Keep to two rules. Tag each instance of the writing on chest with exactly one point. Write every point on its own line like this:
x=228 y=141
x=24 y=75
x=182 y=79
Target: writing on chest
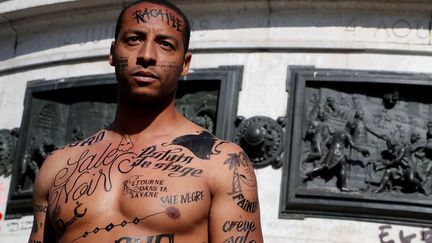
x=90 y=171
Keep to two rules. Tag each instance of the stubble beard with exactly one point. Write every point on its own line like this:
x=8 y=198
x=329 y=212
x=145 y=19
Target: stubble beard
x=140 y=99
x=154 y=94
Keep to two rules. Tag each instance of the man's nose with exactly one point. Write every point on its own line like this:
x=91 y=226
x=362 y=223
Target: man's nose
x=147 y=55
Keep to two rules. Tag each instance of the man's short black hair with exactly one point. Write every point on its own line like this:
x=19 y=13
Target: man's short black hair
x=186 y=32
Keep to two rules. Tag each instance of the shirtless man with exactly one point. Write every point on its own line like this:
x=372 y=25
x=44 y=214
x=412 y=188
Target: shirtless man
x=152 y=176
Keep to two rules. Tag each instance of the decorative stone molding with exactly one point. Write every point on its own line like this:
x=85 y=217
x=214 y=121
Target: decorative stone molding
x=82 y=30
x=262 y=139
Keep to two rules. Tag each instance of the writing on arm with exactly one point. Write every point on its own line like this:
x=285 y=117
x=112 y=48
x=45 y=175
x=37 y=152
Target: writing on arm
x=235 y=214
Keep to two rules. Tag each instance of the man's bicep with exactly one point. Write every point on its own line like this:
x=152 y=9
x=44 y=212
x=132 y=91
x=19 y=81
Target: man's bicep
x=229 y=223
x=235 y=214
x=41 y=231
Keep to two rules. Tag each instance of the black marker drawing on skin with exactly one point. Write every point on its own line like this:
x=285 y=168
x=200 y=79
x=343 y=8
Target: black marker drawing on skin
x=240 y=160
x=168 y=66
x=122 y=63
x=240 y=230
x=126 y=144
x=138 y=186
x=111 y=226
x=35 y=227
x=89 y=141
x=82 y=176
x=63 y=225
x=98 y=166
x=200 y=145
x=142 y=16
x=185 y=198
x=40 y=208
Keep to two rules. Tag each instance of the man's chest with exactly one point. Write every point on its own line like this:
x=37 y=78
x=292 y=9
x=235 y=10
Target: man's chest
x=111 y=187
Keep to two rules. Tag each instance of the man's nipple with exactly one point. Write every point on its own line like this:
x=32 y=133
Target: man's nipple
x=173 y=212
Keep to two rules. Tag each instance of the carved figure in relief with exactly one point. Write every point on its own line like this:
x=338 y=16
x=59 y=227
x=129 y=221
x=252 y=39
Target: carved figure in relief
x=32 y=161
x=401 y=165
x=318 y=133
x=77 y=134
x=330 y=109
x=427 y=160
x=199 y=108
x=7 y=147
x=337 y=157
x=359 y=129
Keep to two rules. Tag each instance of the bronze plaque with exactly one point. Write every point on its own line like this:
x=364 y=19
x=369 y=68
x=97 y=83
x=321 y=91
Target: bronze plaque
x=359 y=146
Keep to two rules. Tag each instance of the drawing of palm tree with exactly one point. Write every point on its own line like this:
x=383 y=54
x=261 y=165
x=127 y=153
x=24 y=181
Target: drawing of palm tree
x=235 y=161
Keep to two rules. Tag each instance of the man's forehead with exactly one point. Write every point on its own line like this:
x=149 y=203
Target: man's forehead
x=150 y=5
x=142 y=13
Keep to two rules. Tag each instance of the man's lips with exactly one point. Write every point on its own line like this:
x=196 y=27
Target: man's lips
x=144 y=76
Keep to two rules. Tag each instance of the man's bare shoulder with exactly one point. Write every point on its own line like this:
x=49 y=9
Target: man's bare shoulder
x=224 y=157
x=58 y=158
x=201 y=143
x=86 y=142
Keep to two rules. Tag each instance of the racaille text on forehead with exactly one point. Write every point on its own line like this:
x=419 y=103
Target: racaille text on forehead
x=142 y=15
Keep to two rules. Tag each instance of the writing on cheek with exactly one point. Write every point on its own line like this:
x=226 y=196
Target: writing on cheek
x=147 y=239
x=139 y=187
x=34 y=241
x=185 y=198
x=240 y=230
x=142 y=16
x=167 y=66
x=122 y=63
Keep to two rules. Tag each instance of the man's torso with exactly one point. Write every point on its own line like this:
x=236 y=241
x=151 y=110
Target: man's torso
x=119 y=190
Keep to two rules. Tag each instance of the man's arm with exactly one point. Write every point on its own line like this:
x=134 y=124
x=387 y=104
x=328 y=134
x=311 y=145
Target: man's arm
x=41 y=231
x=363 y=151
x=234 y=212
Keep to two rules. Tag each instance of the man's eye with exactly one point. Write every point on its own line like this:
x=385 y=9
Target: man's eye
x=167 y=45
x=134 y=40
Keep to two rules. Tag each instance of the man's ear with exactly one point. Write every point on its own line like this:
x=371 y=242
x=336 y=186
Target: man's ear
x=186 y=63
x=111 y=55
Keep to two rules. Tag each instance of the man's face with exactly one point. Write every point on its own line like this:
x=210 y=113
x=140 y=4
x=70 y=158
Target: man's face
x=148 y=54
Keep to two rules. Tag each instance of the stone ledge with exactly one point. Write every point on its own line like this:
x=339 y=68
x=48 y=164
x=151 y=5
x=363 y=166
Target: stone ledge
x=37 y=60
x=18 y=9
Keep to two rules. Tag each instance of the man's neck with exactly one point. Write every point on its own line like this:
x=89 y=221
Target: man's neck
x=150 y=118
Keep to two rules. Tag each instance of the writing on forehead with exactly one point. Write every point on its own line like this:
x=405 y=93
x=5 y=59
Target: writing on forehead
x=142 y=16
